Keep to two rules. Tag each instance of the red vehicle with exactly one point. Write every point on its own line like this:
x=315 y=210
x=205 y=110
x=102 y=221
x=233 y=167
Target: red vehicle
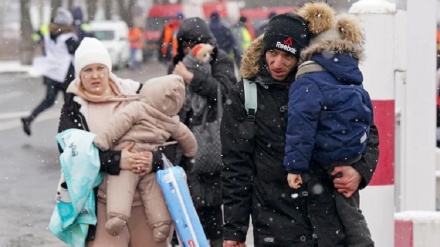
x=258 y=16
x=219 y=7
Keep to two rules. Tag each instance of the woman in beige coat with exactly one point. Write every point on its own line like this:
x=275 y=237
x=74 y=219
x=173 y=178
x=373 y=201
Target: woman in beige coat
x=92 y=98
x=149 y=122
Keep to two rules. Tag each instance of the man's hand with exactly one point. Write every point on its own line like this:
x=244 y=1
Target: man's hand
x=233 y=243
x=349 y=182
x=180 y=69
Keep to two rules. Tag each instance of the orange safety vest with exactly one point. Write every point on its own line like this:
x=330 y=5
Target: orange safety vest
x=170 y=37
x=135 y=37
x=438 y=40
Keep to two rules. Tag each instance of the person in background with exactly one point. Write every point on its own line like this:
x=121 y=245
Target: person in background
x=205 y=188
x=38 y=37
x=60 y=45
x=82 y=29
x=168 y=39
x=438 y=107
x=253 y=148
x=262 y=28
x=327 y=130
x=135 y=36
x=224 y=37
x=165 y=43
x=93 y=97
x=438 y=88
x=242 y=37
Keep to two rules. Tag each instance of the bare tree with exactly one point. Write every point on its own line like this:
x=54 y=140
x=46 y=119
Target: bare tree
x=26 y=50
x=108 y=4
x=125 y=11
x=70 y=4
x=91 y=9
x=54 y=5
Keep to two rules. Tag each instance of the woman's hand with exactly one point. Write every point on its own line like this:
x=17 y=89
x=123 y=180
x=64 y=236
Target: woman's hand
x=180 y=69
x=138 y=162
x=143 y=163
x=126 y=154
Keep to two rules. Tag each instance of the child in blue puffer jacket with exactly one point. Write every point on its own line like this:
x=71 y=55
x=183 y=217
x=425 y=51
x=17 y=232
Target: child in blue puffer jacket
x=329 y=111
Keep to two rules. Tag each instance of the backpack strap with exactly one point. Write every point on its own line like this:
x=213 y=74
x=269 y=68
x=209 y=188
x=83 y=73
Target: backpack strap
x=250 y=98
x=308 y=67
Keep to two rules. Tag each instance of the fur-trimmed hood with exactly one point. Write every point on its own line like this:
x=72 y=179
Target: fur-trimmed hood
x=250 y=62
x=329 y=47
x=337 y=43
x=332 y=33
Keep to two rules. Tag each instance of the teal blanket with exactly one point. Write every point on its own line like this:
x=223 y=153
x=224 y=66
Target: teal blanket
x=80 y=167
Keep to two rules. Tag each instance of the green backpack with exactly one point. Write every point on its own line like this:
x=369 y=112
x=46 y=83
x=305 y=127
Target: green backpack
x=250 y=98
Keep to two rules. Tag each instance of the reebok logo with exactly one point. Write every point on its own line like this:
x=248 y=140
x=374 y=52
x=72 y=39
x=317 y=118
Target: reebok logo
x=286 y=47
x=288 y=41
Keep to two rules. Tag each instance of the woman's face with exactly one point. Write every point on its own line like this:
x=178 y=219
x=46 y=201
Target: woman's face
x=95 y=79
x=280 y=63
x=187 y=46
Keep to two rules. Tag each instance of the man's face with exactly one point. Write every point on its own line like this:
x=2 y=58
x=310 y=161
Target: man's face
x=280 y=63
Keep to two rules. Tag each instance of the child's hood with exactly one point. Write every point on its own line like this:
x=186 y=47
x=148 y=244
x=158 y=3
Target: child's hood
x=165 y=93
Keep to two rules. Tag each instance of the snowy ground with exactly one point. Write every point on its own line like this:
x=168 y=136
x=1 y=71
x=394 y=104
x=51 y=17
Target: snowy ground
x=15 y=66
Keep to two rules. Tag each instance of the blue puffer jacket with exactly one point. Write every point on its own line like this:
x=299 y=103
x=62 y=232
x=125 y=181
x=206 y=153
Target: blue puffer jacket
x=329 y=114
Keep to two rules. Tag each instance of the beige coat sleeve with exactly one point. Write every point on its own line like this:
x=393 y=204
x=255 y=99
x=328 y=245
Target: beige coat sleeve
x=117 y=126
x=184 y=136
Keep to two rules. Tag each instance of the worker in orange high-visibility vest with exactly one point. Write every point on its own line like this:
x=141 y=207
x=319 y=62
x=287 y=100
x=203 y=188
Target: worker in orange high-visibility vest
x=168 y=40
x=135 y=37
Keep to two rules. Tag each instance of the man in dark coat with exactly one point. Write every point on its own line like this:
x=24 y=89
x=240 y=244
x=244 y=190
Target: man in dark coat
x=225 y=38
x=254 y=179
x=262 y=28
x=205 y=188
x=60 y=46
x=82 y=29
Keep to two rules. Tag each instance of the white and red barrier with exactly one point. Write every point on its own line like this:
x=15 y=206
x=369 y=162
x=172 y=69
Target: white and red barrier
x=398 y=81
x=377 y=200
x=417 y=229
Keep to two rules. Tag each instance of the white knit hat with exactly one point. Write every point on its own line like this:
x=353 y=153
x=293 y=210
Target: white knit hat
x=63 y=17
x=91 y=51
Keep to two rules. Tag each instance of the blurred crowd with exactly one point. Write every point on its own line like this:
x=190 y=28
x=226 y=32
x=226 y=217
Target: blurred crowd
x=233 y=39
